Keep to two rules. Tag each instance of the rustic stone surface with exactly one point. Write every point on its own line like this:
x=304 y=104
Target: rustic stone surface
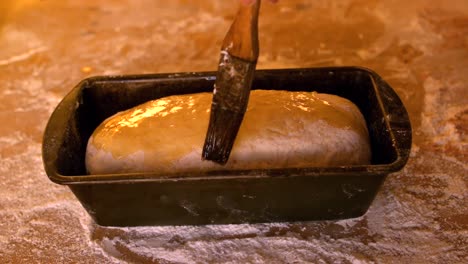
x=421 y=48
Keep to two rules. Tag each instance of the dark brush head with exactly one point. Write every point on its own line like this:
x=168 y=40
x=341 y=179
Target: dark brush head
x=222 y=132
x=230 y=99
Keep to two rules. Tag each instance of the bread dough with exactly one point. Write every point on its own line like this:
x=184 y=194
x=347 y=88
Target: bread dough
x=280 y=129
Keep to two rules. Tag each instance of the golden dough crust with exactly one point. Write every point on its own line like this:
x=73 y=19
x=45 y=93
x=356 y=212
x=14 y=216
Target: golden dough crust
x=280 y=129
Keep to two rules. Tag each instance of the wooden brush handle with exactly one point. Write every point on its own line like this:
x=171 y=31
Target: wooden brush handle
x=242 y=38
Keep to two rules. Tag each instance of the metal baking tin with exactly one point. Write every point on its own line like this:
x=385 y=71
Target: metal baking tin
x=225 y=196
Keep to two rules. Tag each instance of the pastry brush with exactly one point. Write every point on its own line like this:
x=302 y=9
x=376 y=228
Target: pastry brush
x=239 y=53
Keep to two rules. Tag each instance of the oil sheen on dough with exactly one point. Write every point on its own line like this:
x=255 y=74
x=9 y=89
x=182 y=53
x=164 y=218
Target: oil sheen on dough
x=280 y=129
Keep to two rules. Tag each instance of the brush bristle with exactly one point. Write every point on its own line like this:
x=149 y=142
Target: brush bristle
x=222 y=131
x=230 y=99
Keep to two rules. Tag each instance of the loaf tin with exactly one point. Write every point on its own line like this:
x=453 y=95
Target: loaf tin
x=225 y=196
